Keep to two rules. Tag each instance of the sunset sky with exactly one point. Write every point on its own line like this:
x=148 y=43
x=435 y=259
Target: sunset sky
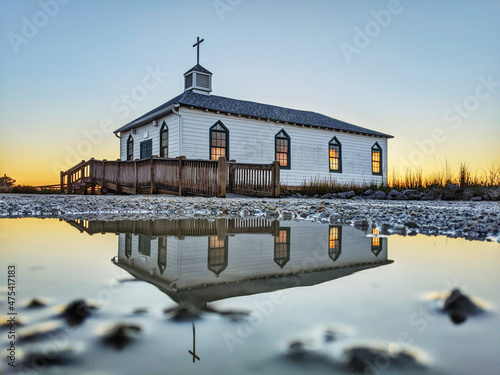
x=72 y=71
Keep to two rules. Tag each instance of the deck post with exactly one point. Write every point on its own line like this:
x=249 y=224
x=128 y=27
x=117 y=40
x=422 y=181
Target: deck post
x=180 y=176
x=152 y=178
x=221 y=177
x=103 y=185
x=276 y=188
x=61 y=175
x=136 y=178
x=117 y=176
x=92 y=176
x=231 y=178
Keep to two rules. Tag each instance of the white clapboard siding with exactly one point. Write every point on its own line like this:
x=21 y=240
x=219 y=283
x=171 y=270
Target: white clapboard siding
x=172 y=121
x=252 y=255
x=252 y=141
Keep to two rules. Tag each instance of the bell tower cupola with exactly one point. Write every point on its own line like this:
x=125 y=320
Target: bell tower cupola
x=198 y=79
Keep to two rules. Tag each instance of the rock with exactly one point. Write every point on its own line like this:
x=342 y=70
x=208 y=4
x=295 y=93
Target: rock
x=286 y=215
x=394 y=195
x=459 y=307
x=361 y=359
x=476 y=199
x=494 y=194
x=35 y=304
x=379 y=194
x=77 y=311
x=121 y=335
x=411 y=194
x=363 y=223
x=467 y=194
x=411 y=224
x=368 y=192
x=431 y=195
x=453 y=187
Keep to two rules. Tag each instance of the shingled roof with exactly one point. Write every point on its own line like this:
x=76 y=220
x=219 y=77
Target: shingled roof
x=253 y=109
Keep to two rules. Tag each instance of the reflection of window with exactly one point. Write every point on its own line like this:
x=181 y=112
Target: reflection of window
x=335 y=155
x=130 y=148
x=162 y=254
x=144 y=245
x=282 y=247
x=217 y=254
x=219 y=139
x=164 y=141
x=128 y=245
x=376 y=243
x=376 y=159
x=335 y=242
x=282 y=149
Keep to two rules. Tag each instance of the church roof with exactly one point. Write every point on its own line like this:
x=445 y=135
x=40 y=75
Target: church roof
x=198 y=68
x=253 y=109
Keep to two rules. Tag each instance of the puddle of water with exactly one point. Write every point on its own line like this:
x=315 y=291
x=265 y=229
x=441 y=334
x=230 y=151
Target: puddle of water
x=246 y=296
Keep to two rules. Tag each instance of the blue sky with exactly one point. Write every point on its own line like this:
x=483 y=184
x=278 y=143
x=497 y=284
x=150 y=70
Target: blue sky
x=415 y=63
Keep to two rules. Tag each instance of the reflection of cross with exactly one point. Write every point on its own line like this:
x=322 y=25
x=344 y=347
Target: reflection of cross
x=197 y=45
x=193 y=353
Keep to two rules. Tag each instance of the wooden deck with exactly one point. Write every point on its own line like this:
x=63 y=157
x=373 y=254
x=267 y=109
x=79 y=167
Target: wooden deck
x=178 y=176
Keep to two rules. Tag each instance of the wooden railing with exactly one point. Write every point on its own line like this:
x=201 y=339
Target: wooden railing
x=154 y=175
x=172 y=176
x=254 y=179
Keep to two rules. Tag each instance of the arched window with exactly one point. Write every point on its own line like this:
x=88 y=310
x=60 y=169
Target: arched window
x=164 y=140
x=217 y=254
x=335 y=242
x=219 y=141
x=282 y=247
x=130 y=148
x=376 y=242
x=162 y=254
x=145 y=245
x=335 y=155
x=128 y=245
x=376 y=159
x=282 y=149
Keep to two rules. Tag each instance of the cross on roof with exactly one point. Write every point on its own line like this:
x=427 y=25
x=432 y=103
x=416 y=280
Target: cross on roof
x=197 y=45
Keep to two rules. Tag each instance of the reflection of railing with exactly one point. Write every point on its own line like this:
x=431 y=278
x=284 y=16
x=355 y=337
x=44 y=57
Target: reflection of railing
x=179 y=228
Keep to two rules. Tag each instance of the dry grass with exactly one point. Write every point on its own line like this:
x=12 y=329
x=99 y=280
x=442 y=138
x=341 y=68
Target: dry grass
x=462 y=176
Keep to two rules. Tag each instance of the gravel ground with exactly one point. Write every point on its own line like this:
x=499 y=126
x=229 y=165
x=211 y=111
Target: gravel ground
x=471 y=220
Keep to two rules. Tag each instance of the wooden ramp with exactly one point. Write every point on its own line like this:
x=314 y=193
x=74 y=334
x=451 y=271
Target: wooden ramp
x=179 y=176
